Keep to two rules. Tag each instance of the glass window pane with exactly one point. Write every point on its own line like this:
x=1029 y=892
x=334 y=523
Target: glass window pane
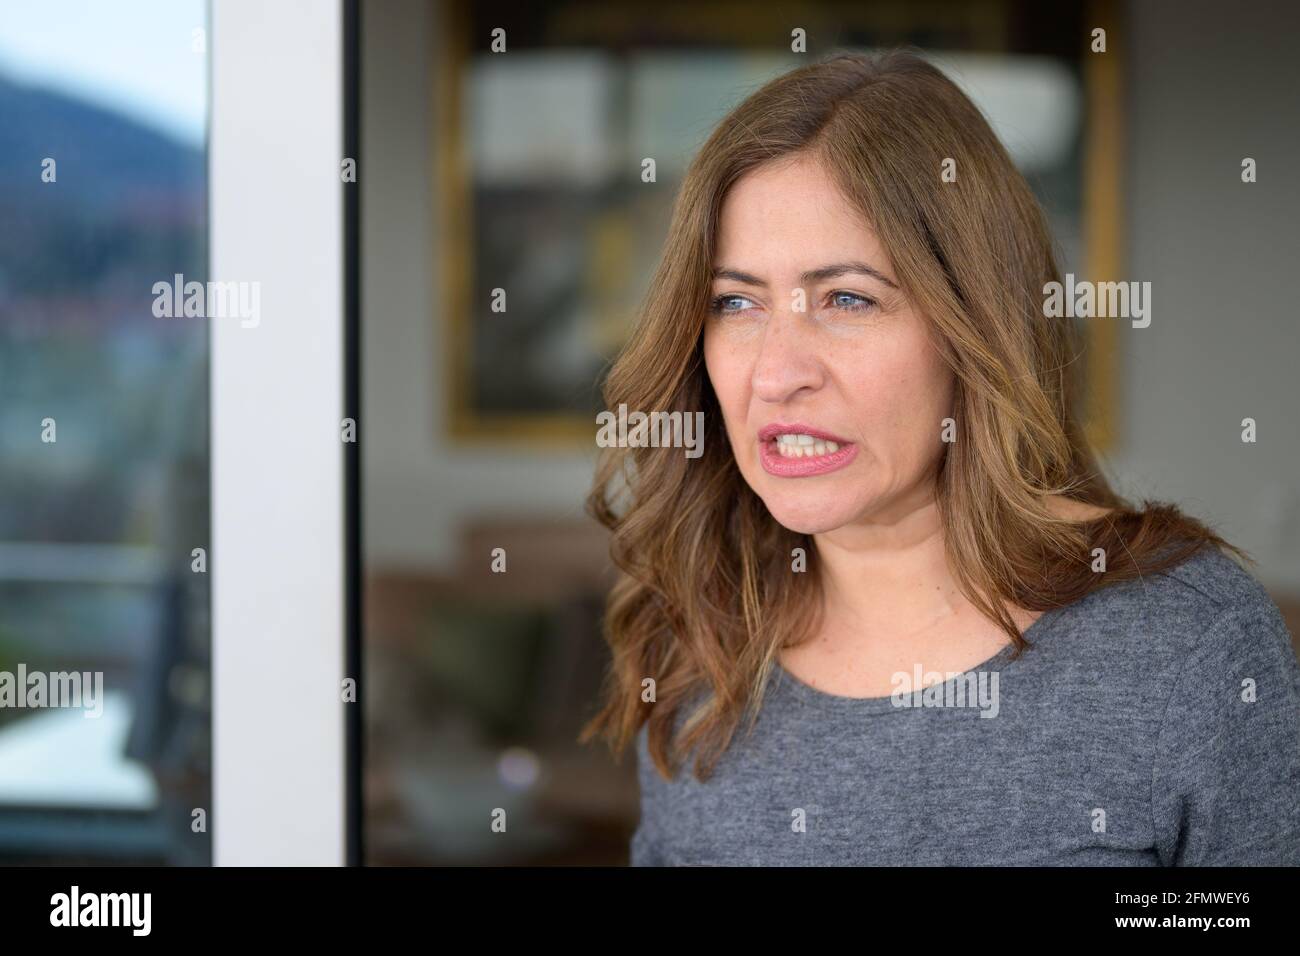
x=103 y=433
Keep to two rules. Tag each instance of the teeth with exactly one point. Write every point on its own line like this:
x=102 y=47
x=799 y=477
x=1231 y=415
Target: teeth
x=804 y=446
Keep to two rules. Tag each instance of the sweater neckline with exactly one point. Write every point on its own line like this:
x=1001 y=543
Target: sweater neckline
x=904 y=703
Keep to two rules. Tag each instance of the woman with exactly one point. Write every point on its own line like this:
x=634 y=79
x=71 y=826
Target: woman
x=894 y=614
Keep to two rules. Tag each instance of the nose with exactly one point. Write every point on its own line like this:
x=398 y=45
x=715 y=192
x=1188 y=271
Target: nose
x=787 y=361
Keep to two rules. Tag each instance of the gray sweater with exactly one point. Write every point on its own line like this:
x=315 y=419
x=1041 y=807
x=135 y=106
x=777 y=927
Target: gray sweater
x=1154 y=722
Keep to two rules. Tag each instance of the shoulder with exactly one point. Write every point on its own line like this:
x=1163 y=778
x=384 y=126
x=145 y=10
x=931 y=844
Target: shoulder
x=1212 y=578
x=1204 y=585
x=1224 y=628
x=1190 y=671
x=1182 y=649
x=1208 y=606
x=1181 y=642
x=1226 y=766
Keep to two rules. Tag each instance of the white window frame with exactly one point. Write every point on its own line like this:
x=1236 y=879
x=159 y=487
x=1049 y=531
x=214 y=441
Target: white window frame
x=277 y=559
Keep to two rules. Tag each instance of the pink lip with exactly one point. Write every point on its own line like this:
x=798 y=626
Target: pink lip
x=774 y=464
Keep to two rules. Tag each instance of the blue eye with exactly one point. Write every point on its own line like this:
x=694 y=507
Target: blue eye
x=719 y=305
x=852 y=302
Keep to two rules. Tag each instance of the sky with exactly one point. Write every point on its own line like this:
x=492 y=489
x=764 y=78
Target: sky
x=136 y=57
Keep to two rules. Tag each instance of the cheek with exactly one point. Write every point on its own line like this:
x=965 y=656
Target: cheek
x=729 y=376
x=900 y=396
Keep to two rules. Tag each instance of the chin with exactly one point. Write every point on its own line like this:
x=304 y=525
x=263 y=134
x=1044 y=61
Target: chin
x=810 y=513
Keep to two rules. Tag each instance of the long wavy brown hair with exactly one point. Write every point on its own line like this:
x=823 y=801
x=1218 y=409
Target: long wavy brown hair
x=705 y=597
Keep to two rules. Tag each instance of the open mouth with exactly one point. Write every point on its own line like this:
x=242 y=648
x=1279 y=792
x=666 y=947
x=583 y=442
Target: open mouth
x=795 y=451
x=804 y=446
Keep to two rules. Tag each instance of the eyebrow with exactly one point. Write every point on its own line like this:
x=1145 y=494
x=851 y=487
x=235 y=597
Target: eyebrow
x=813 y=275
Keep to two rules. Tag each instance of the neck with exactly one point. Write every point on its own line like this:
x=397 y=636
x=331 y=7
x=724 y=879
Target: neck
x=889 y=574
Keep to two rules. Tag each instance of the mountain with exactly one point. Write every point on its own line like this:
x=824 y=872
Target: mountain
x=104 y=158
x=128 y=206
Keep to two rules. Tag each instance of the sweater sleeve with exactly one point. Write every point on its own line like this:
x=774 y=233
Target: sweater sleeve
x=645 y=848
x=1226 y=775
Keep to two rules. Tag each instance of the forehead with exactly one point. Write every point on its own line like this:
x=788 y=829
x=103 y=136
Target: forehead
x=791 y=212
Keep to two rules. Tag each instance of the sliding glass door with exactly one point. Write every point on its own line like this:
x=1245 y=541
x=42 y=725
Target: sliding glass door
x=175 y=682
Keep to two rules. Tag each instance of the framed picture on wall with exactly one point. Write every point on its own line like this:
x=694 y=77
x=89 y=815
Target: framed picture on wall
x=549 y=230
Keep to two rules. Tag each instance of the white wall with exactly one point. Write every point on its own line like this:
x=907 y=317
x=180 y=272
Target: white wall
x=1212 y=83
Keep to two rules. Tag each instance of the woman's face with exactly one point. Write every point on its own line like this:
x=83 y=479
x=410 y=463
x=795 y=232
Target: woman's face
x=832 y=392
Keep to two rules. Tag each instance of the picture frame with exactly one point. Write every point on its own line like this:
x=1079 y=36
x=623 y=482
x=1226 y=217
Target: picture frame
x=472 y=419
